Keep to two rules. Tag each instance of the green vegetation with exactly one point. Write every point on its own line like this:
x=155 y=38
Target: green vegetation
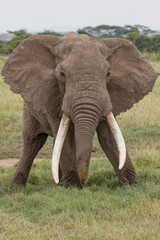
x=6 y=47
x=102 y=210
x=146 y=40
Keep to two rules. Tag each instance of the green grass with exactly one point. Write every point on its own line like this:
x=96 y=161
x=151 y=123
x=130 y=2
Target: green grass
x=102 y=210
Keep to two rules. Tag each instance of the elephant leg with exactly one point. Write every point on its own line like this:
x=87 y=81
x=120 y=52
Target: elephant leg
x=68 y=171
x=68 y=161
x=108 y=144
x=33 y=141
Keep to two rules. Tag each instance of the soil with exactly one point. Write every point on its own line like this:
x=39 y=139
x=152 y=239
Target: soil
x=5 y=163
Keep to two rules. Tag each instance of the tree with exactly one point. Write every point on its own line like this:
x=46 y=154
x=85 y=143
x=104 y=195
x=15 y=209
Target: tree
x=143 y=37
x=48 y=32
x=9 y=46
x=156 y=43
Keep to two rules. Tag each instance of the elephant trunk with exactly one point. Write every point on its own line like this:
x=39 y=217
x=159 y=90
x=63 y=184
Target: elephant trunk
x=90 y=102
x=86 y=114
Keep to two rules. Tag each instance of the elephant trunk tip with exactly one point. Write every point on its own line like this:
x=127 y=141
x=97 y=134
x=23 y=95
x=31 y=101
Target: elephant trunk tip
x=83 y=164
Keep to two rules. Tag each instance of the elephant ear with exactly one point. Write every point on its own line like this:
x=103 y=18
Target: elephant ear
x=30 y=72
x=132 y=76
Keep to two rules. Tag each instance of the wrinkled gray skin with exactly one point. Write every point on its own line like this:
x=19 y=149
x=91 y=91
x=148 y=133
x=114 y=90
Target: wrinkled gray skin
x=76 y=75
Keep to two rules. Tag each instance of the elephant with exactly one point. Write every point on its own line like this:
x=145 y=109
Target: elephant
x=72 y=87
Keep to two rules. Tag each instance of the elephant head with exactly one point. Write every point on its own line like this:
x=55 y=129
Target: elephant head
x=84 y=78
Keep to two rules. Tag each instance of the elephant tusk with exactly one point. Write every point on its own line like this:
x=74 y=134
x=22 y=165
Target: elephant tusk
x=61 y=134
x=118 y=137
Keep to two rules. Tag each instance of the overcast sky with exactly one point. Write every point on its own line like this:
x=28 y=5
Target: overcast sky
x=59 y=15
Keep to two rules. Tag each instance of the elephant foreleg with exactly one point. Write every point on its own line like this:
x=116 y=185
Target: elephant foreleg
x=33 y=141
x=68 y=163
x=109 y=146
x=30 y=149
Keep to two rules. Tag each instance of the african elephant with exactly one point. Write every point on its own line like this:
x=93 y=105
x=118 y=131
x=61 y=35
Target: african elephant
x=85 y=80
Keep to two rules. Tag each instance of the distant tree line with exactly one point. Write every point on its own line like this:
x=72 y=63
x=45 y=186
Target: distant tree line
x=6 y=47
x=146 y=40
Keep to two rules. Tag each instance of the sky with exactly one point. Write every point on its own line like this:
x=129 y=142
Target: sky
x=67 y=15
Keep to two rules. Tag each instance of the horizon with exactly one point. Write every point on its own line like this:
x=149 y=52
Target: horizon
x=65 y=29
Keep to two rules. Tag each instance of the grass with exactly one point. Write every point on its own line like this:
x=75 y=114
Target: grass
x=102 y=210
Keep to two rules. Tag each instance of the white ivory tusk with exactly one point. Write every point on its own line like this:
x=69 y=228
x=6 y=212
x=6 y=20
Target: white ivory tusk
x=61 y=134
x=118 y=137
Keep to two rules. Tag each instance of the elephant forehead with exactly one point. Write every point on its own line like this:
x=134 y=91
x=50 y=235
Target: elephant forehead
x=85 y=47
x=75 y=45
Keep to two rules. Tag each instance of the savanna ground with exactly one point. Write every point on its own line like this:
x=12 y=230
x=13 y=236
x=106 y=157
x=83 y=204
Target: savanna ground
x=102 y=210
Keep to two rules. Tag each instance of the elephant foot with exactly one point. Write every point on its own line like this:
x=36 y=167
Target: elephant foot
x=129 y=177
x=71 y=179
x=19 y=180
x=126 y=181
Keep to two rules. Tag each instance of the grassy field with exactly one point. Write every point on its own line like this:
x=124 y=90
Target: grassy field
x=102 y=210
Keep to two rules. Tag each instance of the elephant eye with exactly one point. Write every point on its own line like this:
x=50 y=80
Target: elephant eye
x=108 y=74
x=62 y=74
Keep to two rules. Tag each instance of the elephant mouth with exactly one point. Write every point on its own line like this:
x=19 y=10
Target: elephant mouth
x=60 y=138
